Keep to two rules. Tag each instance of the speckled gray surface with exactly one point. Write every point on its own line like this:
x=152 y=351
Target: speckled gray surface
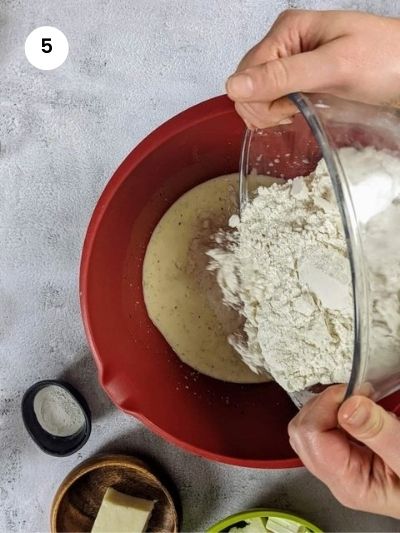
x=131 y=66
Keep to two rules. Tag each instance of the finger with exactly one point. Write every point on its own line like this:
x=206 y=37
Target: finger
x=240 y=109
x=365 y=389
x=314 y=436
x=320 y=413
x=373 y=426
x=264 y=51
x=287 y=36
x=307 y=72
x=325 y=450
x=262 y=115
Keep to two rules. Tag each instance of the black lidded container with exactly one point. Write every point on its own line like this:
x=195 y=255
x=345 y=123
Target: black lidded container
x=52 y=444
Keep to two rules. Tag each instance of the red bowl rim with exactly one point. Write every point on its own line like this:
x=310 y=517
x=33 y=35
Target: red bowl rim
x=216 y=106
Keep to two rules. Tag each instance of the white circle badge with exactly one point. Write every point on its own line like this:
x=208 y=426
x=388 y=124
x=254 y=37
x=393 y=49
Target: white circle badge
x=46 y=48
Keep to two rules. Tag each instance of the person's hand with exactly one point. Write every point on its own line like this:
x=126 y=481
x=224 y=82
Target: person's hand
x=363 y=475
x=348 y=54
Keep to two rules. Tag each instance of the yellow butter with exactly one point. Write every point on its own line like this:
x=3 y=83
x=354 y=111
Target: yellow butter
x=121 y=513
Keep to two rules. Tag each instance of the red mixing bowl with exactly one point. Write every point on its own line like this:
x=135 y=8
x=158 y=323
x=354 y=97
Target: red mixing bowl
x=243 y=425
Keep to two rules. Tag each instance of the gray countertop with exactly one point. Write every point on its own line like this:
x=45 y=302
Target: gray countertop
x=132 y=64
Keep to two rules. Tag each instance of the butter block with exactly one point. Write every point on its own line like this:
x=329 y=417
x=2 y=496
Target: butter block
x=121 y=513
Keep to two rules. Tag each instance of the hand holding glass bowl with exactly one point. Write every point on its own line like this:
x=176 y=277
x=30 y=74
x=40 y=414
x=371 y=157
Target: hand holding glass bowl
x=352 y=55
x=369 y=202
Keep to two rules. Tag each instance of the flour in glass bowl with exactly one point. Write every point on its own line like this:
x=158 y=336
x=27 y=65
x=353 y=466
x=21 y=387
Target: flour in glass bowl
x=284 y=267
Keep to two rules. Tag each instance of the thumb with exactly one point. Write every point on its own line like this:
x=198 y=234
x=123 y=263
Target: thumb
x=309 y=71
x=370 y=424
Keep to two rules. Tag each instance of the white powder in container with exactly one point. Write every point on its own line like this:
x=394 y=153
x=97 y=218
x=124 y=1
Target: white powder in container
x=57 y=411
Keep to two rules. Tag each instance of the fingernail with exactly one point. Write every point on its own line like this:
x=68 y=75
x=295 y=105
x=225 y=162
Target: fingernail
x=285 y=121
x=240 y=86
x=357 y=416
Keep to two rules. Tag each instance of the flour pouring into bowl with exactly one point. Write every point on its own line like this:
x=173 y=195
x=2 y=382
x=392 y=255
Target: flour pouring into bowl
x=284 y=267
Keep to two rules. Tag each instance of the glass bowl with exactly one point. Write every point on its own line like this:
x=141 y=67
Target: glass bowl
x=324 y=125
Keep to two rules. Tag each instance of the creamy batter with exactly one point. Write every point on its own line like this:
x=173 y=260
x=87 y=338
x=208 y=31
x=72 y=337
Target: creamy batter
x=182 y=296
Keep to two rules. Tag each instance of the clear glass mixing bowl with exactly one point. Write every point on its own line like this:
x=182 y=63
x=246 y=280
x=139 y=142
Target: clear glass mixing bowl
x=324 y=125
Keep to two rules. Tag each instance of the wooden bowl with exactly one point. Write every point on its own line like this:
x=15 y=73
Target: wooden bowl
x=79 y=496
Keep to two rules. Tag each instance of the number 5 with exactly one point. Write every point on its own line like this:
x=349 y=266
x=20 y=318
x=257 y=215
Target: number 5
x=46 y=46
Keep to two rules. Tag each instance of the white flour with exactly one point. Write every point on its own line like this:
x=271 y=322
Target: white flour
x=284 y=267
x=375 y=178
